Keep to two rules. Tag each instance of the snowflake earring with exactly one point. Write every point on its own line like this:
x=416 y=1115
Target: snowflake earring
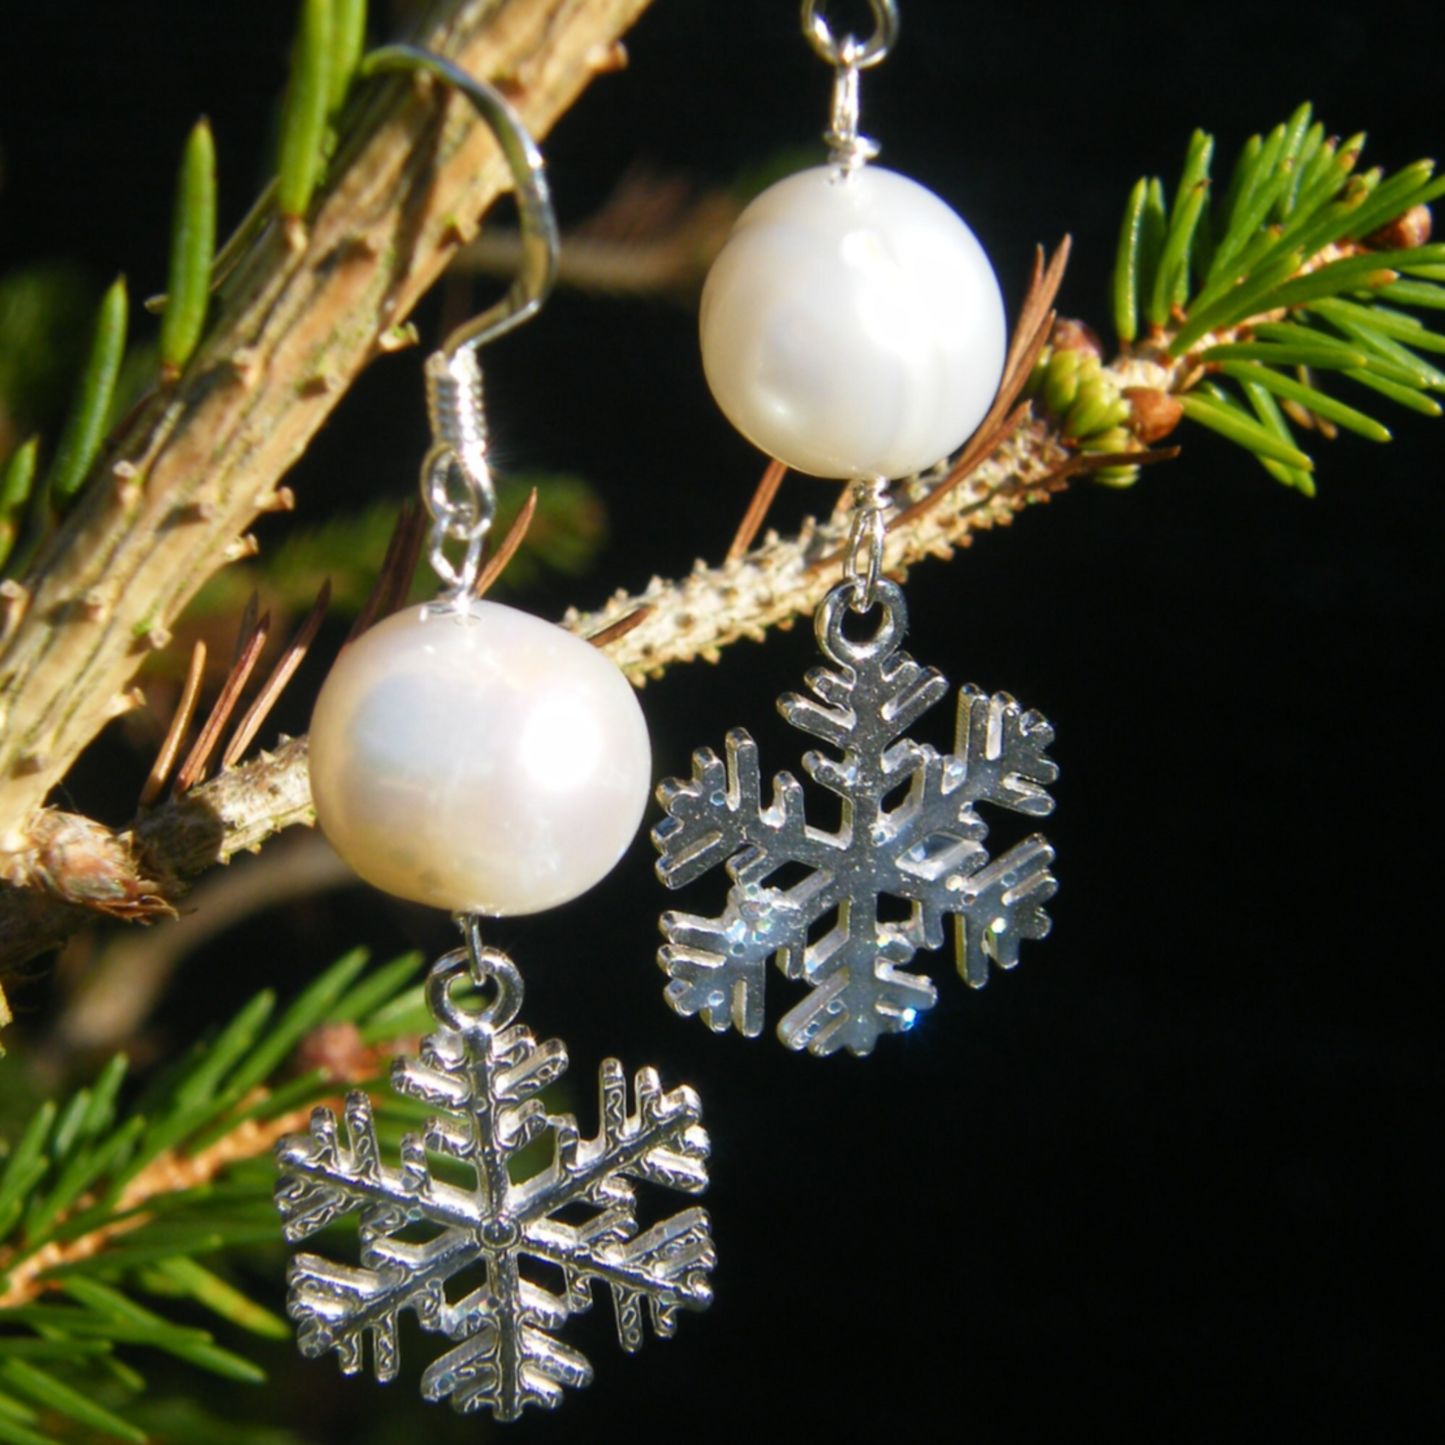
x=852 y=327
x=471 y=757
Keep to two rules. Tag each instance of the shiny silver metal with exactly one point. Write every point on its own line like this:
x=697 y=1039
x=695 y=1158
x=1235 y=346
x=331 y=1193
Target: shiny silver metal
x=847 y=148
x=538 y=221
x=485 y=1075
x=925 y=849
x=485 y=966
x=456 y=480
x=869 y=52
x=863 y=562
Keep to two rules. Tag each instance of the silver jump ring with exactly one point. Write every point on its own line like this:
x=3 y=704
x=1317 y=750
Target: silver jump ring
x=481 y=965
x=863 y=561
x=459 y=579
x=821 y=38
x=892 y=625
x=465 y=516
x=864 y=564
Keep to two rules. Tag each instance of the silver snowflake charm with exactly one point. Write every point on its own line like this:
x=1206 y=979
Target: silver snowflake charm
x=924 y=847
x=454 y=1205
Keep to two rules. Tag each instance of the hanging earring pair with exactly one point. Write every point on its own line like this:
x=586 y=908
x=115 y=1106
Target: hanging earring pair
x=471 y=757
x=852 y=328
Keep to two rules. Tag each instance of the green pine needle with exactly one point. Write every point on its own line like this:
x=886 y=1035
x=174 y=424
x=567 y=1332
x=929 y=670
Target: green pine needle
x=348 y=27
x=193 y=244
x=12 y=1432
x=1389 y=322
x=27 y=1162
x=85 y=427
x=1153 y=229
x=1415 y=293
x=308 y=99
x=120 y=1314
x=185 y=1277
x=1171 y=276
x=1126 y=265
x=83 y=1151
x=1292 y=353
x=1308 y=397
x=373 y=991
x=1394 y=361
x=17 y=480
x=1405 y=396
x=1285 y=287
x=46 y=1390
x=1292 y=333
x=1237 y=427
x=1273 y=419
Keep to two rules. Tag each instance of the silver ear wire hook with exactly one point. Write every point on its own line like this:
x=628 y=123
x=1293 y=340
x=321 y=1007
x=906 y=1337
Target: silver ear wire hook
x=458 y=452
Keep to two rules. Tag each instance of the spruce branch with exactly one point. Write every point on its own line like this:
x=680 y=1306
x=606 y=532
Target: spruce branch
x=95 y=1201
x=300 y=315
x=75 y=868
x=1297 y=275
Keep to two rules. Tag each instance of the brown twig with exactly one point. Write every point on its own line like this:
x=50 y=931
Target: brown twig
x=619 y=629
x=757 y=511
x=1086 y=462
x=516 y=533
x=150 y=865
x=176 y=733
x=986 y=441
x=169 y=1173
x=695 y=616
x=248 y=652
x=281 y=674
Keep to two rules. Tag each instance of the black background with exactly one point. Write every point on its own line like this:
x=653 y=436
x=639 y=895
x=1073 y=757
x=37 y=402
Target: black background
x=1175 y=1177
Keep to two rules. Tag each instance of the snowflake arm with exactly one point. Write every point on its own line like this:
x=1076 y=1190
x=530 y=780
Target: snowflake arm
x=718 y=816
x=898 y=692
x=1000 y=748
x=861 y=991
x=1001 y=905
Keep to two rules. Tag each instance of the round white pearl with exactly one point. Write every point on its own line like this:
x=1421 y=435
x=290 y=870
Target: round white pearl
x=483 y=762
x=852 y=325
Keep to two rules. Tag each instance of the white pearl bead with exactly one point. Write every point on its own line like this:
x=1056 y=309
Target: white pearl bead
x=484 y=762
x=852 y=325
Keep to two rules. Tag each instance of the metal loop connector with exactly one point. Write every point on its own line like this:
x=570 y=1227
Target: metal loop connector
x=482 y=966
x=863 y=561
x=456 y=479
x=875 y=48
x=847 y=148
